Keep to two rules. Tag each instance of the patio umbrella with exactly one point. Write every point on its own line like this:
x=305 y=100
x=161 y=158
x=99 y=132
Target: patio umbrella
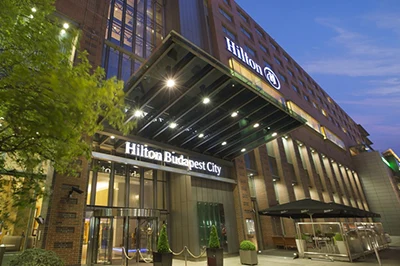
x=308 y=208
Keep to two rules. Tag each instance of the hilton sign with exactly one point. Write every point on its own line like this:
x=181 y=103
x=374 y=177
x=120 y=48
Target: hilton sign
x=266 y=72
x=140 y=150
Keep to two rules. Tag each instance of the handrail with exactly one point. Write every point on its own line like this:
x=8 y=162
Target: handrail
x=150 y=260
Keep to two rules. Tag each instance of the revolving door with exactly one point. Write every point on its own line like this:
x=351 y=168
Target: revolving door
x=121 y=236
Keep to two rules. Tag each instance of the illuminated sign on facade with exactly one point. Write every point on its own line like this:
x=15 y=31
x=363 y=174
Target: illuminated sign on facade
x=169 y=157
x=266 y=72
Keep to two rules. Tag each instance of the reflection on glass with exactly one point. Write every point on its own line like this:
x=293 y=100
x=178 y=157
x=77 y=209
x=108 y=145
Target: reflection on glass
x=89 y=189
x=102 y=189
x=134 y=187
x=148 y=189
x=119 y=191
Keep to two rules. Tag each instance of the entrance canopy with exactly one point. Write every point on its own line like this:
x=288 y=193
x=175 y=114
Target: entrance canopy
x=307 y=208
x=185 y=98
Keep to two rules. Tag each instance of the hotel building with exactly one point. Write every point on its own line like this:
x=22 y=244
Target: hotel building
x=227 y=124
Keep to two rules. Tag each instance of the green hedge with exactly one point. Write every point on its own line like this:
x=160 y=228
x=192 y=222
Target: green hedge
x=214 y=240
x=163 y=245
x=247 y=245
x=36 y=257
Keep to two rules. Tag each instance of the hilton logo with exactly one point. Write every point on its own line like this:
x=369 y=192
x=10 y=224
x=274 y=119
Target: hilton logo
x=266 y=72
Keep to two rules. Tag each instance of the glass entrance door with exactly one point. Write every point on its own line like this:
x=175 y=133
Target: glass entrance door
x=117 y=239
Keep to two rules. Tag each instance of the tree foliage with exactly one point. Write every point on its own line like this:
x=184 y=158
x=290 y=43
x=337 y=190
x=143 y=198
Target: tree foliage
x=163 y=244
x=50 y=105
x=214 y=240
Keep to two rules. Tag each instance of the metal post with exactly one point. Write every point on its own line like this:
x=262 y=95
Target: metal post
x=186 y=255
x=376 y=254
x=2 y=251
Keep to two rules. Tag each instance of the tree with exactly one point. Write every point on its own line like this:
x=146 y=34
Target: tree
x=50 y=105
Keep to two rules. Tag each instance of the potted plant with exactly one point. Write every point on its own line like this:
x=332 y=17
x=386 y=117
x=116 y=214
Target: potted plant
x=339 y=242
x=163 y=256
x=36 y=256
x=215 y=255
x=248 y=253
x=301 y=244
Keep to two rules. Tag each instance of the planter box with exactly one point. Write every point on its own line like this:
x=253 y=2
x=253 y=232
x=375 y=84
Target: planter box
x=215 y=256
x=341 y=247
x=248 y=257
x=301 y=247
x=162 y=259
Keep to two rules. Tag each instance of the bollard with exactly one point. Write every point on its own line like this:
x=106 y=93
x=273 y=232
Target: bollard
x=2 y=251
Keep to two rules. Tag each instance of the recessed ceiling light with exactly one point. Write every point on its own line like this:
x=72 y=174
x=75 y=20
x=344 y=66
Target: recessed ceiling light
x=256 y=125
x=173 y=125
x=206 y=100
x=34 y=9
x=274 y=134
x=201 y=135
x=112 y=137
x=170 y=83
x=234 y=114
x=243 y=150
x=138 y=113
x=223 y=143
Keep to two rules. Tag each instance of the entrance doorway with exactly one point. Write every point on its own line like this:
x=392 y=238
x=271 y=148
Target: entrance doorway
x=121 y=236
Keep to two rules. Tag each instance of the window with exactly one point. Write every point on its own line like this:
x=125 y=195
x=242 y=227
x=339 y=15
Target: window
x=290 y=73
x=277 y=61
x=245 y=32
x=329 y=99
x=226 y=15
x=301 y=83
x=295 y=89
x=259 y=32
x=297 y=69
x=229 y=33
x=249 y=50
x=306 y=98
x=244 y=17
x=262 y=47
x=286 y=58
x=310 y=91
x=227 y=2
x=267 y=64
x=273 y=46
x=282 y=77
x=319 y=99
x=315 y=105
x=324 y=112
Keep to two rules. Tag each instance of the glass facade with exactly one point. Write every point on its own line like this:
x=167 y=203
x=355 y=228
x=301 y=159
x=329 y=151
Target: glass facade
x=121 y=185
x=134 y=28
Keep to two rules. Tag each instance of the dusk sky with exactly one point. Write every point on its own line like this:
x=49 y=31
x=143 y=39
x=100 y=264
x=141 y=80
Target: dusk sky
x=350 y=48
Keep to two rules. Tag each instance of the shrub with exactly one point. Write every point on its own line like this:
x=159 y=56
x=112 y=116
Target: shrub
x=163 y=245
x=302 y=236
x=338 y=237
x=214 y=240
x=247 y=245
x=36 y=257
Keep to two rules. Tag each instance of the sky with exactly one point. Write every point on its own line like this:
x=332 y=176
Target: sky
x=351 y=48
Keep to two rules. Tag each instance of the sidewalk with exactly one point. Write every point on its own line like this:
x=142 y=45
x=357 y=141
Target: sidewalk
x=389 y=257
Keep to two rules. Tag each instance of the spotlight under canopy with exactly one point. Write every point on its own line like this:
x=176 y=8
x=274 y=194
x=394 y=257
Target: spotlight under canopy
x=170 y=83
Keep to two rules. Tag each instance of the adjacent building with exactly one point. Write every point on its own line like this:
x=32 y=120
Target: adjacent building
x=227 y=124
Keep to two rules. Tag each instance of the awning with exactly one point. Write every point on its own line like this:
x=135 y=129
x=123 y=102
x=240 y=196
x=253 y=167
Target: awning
x=211 y=129
x=307 y=208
